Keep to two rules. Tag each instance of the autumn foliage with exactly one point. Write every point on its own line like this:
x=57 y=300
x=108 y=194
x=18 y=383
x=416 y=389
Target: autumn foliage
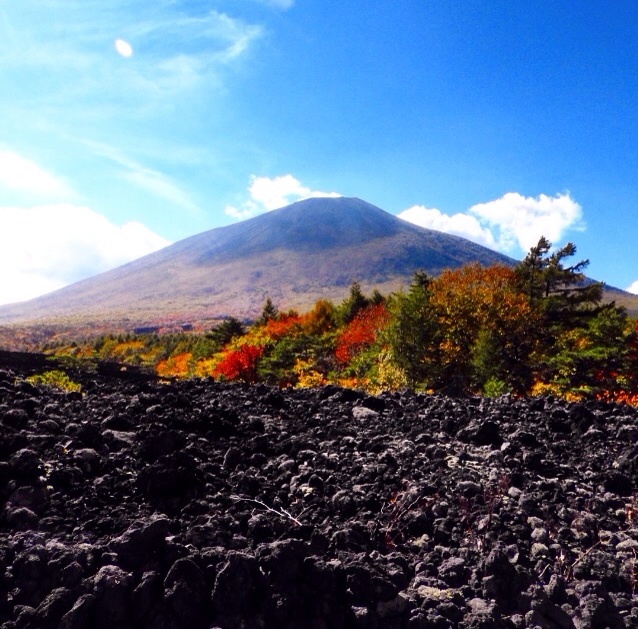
x=283 y=325
x=537 y=329
x=177 y=366
x=361 y=332
x=239 y=364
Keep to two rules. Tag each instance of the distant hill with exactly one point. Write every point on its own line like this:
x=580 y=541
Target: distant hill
x=295 y=255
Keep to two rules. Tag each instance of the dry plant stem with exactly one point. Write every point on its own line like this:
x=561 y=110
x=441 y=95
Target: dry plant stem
x=282 y=513
x=579 y=559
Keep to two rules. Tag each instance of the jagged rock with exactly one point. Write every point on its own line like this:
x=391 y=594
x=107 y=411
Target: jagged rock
x=162 y=505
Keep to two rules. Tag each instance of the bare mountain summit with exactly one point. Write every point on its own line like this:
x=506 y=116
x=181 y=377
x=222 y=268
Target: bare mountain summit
x=296 y=255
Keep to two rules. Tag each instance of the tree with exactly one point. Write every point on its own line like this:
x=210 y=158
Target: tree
x=593 y=361
x=582 y=341
x=355 y=302
x=377 y=298
x=268 y=313
x=361 y=332
x=412 y=334
x=277 y=364
x=226 y=331
x=239 y=364
x=561 y=293
x=320 y=320
x=487 y=329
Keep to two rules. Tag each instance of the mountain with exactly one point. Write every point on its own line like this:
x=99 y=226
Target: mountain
x=295 y=255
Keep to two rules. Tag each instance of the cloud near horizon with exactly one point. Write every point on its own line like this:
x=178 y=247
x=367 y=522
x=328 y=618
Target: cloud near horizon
x=508 y=224
x=458 y=224
x=270 y=193
x=633 y=288
x=46 y=247
x=48 y=241
x=19 y=174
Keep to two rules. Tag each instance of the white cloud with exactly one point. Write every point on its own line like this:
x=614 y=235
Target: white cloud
x=45 y=247
x=20 y=174
x=270 y=193
x=178 y=51
x=633 y=288
x=457 y=224
x=508 y=224
x=519 y=220
x=123 y=48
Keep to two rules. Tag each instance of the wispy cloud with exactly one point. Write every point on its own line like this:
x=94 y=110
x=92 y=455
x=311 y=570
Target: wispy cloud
x=116 y=53
x=153 y=181
x=45 y=247
x=278 y=4
x=202 y=43
x=270 y=193
x=509 y=224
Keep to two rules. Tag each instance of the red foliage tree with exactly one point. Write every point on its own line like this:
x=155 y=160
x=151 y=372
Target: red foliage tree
x=361 y=332
x=239 y=364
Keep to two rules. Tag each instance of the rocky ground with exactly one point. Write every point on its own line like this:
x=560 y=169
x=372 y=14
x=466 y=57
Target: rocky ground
x=150 y=504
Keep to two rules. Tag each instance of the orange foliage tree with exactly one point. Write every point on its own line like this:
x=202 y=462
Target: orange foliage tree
x=282 y=325
x=177 y=366
x=320 y=319
x=488 y=328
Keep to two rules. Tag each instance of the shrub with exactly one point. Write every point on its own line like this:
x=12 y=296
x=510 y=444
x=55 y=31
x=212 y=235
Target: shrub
x=55 y=379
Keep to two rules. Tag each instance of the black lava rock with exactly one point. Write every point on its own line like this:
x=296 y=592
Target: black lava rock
x=141 y=503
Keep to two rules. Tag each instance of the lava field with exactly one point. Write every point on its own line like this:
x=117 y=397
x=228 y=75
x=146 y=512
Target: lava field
x=140 y=503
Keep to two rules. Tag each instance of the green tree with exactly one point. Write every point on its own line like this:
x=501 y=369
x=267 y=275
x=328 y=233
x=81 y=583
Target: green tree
x=226 y=331
x=268 y=313
x=590 y=361
x=377 y=298
x=413 y=333
x=561 y=293
x=355 y=302
x=276 y=366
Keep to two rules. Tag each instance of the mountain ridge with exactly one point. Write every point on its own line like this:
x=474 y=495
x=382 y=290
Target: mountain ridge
x=295 y=255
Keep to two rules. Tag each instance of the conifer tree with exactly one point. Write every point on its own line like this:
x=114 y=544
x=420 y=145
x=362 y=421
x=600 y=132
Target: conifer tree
x=561 y=293
x=413 y=331
x=355 y=302
x=268 y=313
x=226 y=331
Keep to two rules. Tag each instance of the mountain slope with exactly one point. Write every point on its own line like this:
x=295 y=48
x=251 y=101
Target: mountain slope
x=297 y=254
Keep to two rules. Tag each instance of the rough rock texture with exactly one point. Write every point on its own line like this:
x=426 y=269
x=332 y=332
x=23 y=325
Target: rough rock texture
x=203 y=505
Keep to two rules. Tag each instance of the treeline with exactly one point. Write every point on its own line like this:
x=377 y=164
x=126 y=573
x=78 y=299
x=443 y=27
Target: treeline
x=538 y=328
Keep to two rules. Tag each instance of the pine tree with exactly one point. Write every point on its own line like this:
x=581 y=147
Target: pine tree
x=226 y=331
x=268 y=313
x=563 y=294
x=412 y=333
x=355 y=302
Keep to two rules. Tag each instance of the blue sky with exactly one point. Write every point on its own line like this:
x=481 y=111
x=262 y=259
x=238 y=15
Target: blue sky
x=127 y=125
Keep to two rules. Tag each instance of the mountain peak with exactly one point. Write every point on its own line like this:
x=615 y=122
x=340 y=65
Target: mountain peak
x=297 y=254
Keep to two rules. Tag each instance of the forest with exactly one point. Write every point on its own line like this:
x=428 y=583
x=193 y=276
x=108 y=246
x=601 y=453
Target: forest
x=539 y=328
